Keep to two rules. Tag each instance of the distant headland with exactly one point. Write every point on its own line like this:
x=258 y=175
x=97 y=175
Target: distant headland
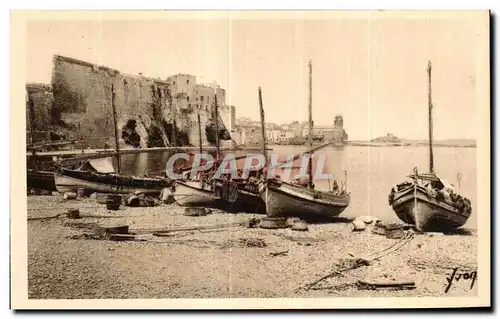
x=392 y=140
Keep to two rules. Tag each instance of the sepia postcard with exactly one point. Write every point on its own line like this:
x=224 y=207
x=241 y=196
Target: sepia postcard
x=250 y=159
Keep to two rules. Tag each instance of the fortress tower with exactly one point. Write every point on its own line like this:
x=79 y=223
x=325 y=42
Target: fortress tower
x=339 y=134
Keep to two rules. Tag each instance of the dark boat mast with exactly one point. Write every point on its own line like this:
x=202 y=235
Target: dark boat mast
x=199 y=134
x=309 y=167
x=262 y=125
x=30 y=119
x=216 y=115
x=115 y=124
x=174 y=129
x=431 y=155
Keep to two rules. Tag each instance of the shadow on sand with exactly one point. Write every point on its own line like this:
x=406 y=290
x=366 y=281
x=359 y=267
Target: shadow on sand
x=327 y=220
x=461 y=232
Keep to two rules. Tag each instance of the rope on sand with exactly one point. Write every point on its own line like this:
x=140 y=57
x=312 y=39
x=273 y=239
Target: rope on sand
x=48 y=217
x=59 y=208
x=67 y=215
x=359 y=262
x=403 y=241
x=160 y=231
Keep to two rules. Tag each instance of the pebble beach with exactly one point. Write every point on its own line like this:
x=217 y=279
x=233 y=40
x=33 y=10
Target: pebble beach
x=65 y=262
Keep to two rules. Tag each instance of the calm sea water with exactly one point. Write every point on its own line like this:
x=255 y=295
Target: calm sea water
x=371 y=172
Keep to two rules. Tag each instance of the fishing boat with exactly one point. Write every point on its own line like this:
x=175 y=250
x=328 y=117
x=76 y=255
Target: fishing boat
x=68 y=180
x=427 y=201
x=284 y=199
x=233 y=195
x=192 y=193
x=225 y=192
x=240 y=194
x=248 y=201
x=40 y=170
x=195 y=191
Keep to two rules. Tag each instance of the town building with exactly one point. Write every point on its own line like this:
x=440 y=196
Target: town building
x=328 y=133
x=248 y=132
x=248 y=135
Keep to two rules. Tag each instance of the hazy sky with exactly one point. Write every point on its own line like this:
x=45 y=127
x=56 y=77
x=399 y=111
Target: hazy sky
x=372 y=71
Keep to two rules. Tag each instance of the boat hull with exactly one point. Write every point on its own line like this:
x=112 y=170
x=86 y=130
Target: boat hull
x=413 y=206
x=286 y=200
x=41 y=180
x=192 y=194
x=101 y=183
x=247 y=202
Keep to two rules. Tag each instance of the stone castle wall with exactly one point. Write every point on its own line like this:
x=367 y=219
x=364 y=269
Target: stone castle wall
x=82 y=102
x=39 y=102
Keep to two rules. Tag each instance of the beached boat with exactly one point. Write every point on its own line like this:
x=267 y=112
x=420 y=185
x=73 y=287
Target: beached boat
x=426 y=201
x=234 y=195
x=239 y=194
x=249 y=201
x=192 y=193
x=67 y=180
x=429 y=203
x=284 y=199
x=41 y=180
x=195 y=191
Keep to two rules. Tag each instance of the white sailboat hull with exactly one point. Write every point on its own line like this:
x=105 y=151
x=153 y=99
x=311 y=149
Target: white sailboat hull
x=191 y=194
